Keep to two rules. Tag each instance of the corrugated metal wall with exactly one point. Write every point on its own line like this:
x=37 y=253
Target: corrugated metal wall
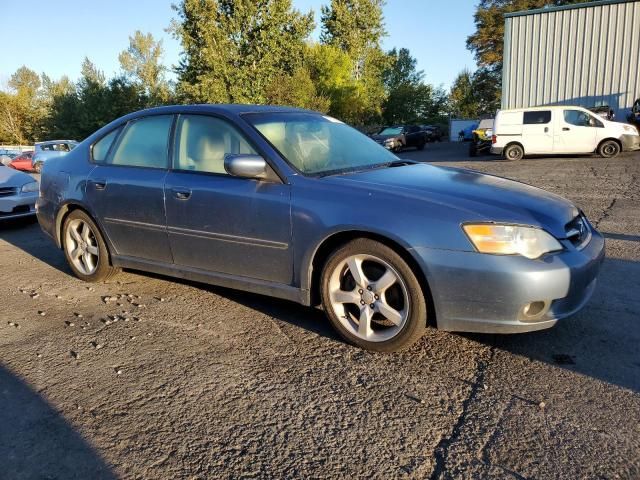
x=581 y=56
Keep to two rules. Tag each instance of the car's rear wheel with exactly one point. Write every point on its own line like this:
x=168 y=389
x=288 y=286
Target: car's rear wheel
x=421 y=145
x=609 y=149
x=513 y=152
x=85 y=249
x=372 y=297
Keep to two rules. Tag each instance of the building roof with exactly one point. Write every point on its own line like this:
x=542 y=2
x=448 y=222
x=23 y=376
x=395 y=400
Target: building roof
x=566 y=7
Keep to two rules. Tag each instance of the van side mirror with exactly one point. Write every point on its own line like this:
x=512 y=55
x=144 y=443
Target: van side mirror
x=246 y=166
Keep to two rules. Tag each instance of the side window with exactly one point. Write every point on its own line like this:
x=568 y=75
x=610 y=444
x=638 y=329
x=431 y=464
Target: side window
x=536 y=117
x=100 y=149
x=577 y=118
x=203 y=141
x=144 y=143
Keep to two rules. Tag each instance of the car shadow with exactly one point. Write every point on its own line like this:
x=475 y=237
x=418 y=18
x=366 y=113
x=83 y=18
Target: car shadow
x=600 y=341
x=37 y=442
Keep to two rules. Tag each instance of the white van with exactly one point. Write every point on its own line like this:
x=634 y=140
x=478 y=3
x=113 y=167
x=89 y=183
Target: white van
x=559 y=129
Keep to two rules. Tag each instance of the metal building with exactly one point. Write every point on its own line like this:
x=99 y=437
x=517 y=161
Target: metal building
x=585 y=54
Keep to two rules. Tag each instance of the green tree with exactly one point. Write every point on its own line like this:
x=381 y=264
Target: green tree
x=234 y=49
x=142 y=65
x=297 y=89
x=356 y=27
x=462 y=101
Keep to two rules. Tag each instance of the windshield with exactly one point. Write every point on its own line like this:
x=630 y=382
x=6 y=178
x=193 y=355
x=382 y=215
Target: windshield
x=391 y=131
x=316 y=144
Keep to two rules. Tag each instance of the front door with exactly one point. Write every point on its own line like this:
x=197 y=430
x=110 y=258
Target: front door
x=220 y=223
x=126 y=188
x=576 y=132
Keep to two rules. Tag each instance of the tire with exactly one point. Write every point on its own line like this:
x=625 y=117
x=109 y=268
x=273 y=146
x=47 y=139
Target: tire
x=397 y=149
x=609 y=149
x=421 y=145
x=513 y=152
x=90 y=245
x=394 y=313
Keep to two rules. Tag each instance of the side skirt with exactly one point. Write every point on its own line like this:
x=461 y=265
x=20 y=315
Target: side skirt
x=262 y=287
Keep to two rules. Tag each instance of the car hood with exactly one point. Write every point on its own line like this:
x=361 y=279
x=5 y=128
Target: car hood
x=478 y=196
x=13 y=178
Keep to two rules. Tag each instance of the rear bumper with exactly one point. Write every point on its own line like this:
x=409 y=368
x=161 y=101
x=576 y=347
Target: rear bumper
x=18 y=206
x=630 y=143
x=474 y=292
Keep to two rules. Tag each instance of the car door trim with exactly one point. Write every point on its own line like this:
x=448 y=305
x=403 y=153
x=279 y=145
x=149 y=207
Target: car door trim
x=228 y=238
x=133 y=223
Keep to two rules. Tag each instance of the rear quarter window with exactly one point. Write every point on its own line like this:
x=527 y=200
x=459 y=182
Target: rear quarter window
x=100 y=149
x=536 y=117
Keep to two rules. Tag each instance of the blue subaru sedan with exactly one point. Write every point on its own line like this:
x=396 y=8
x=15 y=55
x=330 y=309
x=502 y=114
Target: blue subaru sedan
x=295 y=204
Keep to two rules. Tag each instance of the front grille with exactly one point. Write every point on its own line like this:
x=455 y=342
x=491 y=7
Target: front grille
x=8 y=191
x=578 y=231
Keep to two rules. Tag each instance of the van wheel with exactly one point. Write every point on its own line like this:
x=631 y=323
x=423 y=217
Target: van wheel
x=513 y=152
x=609 y=149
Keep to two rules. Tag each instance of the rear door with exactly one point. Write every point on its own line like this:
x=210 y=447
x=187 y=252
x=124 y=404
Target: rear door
x=537 y=131
x=576 y=131
x=218 y=222
x=126 y=188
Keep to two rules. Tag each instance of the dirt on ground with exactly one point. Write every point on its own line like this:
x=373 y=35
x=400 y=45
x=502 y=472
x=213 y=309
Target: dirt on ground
x=151 y=377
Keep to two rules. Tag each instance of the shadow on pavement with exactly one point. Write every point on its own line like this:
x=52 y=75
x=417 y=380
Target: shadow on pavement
x=37 y=442
x=601 y=341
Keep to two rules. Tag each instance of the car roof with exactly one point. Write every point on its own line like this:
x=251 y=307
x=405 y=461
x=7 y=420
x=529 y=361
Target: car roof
x=232 y=108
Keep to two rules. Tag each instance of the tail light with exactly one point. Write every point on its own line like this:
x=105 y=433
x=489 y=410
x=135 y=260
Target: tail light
x=494 y=139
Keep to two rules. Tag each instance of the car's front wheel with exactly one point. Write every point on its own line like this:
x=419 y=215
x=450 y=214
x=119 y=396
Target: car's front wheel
x=85 y=249
x=372 y=297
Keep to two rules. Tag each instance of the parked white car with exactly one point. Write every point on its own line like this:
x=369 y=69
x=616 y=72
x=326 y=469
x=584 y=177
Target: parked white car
x=559 y=129
x=18 y=194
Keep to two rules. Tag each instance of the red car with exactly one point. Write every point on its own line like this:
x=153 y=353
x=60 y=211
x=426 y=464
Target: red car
x=24 y=162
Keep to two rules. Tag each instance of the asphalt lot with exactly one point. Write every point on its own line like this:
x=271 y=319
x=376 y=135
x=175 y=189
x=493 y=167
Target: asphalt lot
x=149 y=377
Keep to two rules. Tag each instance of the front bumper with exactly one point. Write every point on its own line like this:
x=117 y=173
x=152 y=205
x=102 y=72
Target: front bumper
x=630 y=143
x=476 y=292
x=18 y=206
x=496 y=150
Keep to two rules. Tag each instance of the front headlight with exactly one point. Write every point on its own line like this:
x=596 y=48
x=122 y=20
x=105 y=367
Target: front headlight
x=511 y=240
x=30 y=187
x=630 y=129
x=389 y=141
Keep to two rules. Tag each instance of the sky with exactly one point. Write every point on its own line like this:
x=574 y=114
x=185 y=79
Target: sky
x=53 y=37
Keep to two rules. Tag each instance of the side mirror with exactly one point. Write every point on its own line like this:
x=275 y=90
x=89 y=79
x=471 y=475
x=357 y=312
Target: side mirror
x=246 y=166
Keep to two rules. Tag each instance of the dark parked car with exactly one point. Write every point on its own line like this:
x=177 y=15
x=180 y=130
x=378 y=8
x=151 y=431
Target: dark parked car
x=297 y=205
x=399 y=137
x=433 y=132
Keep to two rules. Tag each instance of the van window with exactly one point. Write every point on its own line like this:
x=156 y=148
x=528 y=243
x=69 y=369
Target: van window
x=581 y=119
x=537 y=117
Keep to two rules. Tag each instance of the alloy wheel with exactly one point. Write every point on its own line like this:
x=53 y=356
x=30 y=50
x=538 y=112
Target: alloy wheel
x=369 y=297
x=82 y=246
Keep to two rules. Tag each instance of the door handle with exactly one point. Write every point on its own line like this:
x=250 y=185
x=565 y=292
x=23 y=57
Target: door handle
x=99 y=184
x=546 y=129
x=181 y=193
x=565 y=129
